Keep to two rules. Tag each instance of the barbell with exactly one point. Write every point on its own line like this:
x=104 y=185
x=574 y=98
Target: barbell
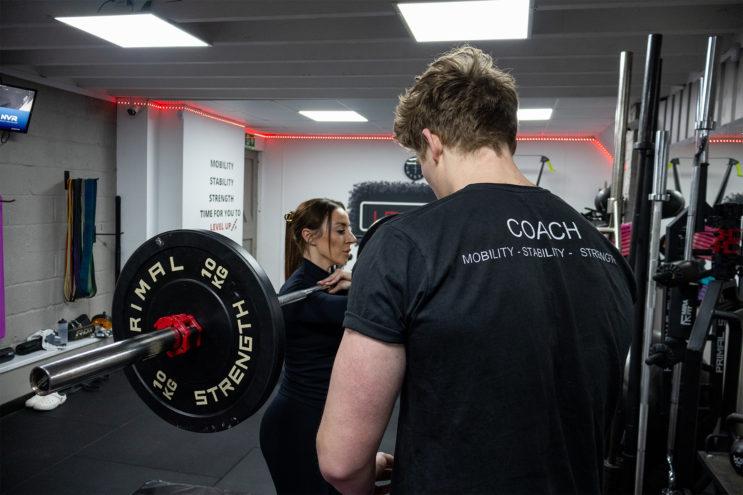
x=198 y=329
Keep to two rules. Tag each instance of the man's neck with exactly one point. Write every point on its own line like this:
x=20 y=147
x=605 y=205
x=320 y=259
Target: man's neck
x=482 y=166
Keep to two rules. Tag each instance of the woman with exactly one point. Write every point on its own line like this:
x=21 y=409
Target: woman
x=318 y=237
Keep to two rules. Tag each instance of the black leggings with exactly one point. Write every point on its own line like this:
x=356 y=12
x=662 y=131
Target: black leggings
x=288 y=431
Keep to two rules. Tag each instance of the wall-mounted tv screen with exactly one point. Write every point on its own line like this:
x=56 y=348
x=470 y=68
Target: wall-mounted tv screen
x=16 y=104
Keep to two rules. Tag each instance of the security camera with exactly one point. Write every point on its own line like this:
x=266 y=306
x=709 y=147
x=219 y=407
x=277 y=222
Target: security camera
x=132 y=111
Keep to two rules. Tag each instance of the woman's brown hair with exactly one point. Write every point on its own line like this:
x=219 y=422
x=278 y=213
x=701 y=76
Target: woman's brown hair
x=311 y=214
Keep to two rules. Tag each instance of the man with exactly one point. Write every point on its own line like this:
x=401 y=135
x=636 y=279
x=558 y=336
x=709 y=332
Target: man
x=501 y=315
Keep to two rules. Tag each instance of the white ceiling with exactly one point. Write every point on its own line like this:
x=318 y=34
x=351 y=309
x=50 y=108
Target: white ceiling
x=269 y=59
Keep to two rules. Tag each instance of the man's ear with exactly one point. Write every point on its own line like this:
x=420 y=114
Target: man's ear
x=434 y=144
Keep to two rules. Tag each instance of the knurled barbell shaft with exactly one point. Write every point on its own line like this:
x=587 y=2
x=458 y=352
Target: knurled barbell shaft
x=299 y=295
x=58 y=375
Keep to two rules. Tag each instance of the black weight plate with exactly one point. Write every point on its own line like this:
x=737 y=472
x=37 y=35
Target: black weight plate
x=207 y=275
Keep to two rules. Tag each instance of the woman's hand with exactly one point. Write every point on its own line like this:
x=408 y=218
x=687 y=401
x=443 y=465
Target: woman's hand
x=383 y=472
x=337 y=281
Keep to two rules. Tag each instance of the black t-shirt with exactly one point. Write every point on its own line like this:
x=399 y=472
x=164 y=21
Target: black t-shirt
x=313 y=333
x=515 y=313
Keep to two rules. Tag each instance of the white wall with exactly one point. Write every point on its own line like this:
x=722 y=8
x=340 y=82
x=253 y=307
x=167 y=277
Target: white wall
x=208 y=145
x=581 y=169
x=67 y=132
x=718 y=159
x=135 y=179
x=163 y=165
x=292 y=171
x=167 y=142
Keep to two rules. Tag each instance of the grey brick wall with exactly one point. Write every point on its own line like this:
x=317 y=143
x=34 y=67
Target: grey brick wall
x=70 y=132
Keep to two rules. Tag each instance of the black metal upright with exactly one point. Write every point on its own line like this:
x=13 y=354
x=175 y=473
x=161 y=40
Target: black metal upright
x=612 y=471
x=686 y=378
x=640 y=241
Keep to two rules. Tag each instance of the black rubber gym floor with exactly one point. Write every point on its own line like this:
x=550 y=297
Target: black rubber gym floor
x=106 y=441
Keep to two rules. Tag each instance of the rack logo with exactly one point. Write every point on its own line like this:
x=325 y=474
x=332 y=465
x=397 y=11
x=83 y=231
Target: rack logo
x=686 y=313
x=4 y=117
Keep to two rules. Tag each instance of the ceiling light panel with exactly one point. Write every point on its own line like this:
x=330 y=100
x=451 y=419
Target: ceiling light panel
x=462 y=21
x=333 y=116
x=534 y=113
x=134 y=30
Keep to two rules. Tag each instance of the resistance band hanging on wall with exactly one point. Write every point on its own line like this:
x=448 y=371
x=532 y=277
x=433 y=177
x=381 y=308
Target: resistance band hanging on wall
x=79 y=267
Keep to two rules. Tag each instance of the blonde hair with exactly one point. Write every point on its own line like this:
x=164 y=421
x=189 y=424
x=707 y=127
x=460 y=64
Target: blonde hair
x=310 y=214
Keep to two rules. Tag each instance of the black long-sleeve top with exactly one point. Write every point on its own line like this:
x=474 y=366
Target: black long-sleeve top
x=314 y=327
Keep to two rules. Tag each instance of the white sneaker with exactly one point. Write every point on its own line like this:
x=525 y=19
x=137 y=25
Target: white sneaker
x=49 y=402
x=33 y=400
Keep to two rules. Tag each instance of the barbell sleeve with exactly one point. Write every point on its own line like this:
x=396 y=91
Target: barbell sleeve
x=57 y=375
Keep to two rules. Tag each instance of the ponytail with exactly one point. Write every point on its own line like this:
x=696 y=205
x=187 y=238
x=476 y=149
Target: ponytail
x=292 y=255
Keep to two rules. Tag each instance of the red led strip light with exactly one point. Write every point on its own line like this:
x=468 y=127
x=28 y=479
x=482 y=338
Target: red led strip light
x=335 y=137
x=158 y=105
x=589 y=139
x=726 y=139
x=324 y=137
x=603 y=150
